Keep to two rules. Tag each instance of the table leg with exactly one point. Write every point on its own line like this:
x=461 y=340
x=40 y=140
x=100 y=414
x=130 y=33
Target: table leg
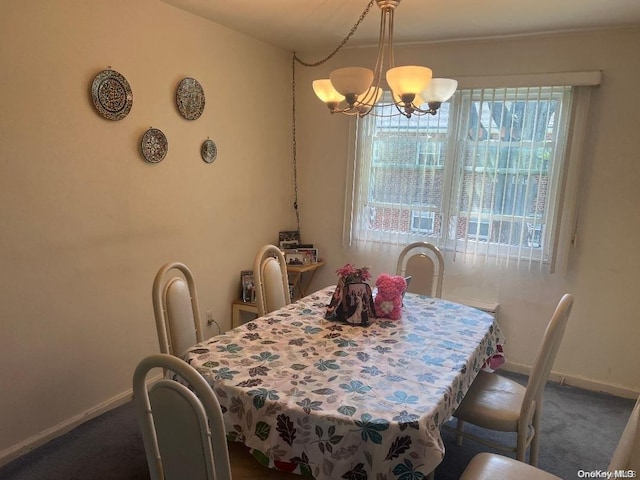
x=303 y=287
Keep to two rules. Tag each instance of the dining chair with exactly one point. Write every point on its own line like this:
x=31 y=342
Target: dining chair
x=270 y=279
x=497 y=403
x=175 y=305
x=424 y=263
x=182 y=427
x=626 y=457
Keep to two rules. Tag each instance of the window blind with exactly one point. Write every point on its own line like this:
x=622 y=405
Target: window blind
x=483 y=179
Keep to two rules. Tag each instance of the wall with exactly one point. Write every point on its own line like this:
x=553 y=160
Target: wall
x=86 y=222
x=600 y=346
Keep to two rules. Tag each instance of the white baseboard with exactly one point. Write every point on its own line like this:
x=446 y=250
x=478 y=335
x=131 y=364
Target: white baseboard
x=576 y=381
x=69 y=424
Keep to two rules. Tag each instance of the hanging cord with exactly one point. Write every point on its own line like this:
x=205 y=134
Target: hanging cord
x=294 y=59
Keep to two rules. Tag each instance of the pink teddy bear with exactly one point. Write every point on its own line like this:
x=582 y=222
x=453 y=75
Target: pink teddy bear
x=388 y=301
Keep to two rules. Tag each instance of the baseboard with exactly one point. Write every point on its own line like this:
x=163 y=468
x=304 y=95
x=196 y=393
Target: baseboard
x=31 y=443
x=576 y=381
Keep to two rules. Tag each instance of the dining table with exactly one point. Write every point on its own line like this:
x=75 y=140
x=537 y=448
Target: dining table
x=331 y=400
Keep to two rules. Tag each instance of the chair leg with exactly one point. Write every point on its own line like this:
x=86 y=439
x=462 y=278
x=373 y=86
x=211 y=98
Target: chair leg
x=459 y=428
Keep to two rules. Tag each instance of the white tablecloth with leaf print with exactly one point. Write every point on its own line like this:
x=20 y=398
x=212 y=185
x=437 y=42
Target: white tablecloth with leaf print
x=336 y=401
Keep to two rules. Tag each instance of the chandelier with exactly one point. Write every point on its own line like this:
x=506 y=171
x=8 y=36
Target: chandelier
x=357 y=90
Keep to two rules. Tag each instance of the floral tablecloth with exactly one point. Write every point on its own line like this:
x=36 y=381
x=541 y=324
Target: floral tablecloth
x=338 y=401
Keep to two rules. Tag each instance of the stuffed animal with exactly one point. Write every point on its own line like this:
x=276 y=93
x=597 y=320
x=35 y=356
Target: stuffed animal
x=388 y=301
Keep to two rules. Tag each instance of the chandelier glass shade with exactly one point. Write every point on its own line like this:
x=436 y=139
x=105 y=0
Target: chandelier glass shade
x=358 y=90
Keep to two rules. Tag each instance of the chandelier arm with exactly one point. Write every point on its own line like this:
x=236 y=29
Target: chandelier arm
x=399 y=108
x=342 y=44
x=381 y=46
x=370 y=97
x=392 y=62
x=432 y=110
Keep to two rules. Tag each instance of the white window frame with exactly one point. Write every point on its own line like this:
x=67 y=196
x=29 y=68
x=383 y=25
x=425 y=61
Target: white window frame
x=422 y=215
x=566 y=197
x=429 y=154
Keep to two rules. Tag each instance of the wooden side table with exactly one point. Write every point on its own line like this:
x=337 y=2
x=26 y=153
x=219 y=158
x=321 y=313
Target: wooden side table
x=300 y=277
x=239 y=306
x=299 y=281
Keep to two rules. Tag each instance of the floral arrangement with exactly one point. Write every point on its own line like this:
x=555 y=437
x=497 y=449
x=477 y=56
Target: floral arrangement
x=388 y=301
x=350 y=274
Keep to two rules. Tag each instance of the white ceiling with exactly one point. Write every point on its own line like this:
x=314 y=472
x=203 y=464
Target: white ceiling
x=300 y=25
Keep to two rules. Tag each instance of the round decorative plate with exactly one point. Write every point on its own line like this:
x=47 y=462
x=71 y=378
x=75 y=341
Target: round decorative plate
x=154 y=145
x=209 y=151
x=190 y=98
x=111 y=95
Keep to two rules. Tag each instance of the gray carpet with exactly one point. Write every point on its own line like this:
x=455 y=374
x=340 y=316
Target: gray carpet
x=580 y=431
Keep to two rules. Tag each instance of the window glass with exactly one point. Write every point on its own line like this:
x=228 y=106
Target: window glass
x=481 y=174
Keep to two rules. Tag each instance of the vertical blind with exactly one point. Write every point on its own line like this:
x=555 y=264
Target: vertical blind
x=482 y=179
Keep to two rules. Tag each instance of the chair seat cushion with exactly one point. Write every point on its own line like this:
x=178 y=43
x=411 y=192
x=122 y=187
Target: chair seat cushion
x=488 y=466
x=492 y=402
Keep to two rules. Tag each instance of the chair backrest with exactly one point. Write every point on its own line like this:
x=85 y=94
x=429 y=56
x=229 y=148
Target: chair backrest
x=182 y=431
x=424 y=263
x=175 y=305
x=270 y=279
x=545 y=357
x=627 y=454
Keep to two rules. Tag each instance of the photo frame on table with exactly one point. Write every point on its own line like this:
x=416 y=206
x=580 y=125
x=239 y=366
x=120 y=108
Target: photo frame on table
x=289 y=238
x=288 y=244
x=248 y=289
x=310 y=255
x=292 y=257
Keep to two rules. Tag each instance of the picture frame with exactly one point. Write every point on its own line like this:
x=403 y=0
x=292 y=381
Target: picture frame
x=288 y=244
x=292 y=257
x=310 y=255
x=289 y=238
x=247 y=285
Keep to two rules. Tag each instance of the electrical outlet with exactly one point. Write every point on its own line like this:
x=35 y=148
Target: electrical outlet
x=210 y=320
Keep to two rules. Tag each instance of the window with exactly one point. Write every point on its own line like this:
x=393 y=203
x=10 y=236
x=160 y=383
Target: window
x=478 y=230
x=422 y=222
x=431 y=153
x=483 y=176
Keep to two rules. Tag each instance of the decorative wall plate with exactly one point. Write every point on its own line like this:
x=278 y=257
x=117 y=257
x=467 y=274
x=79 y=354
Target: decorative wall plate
x=190 y=98
x=154 y=145
x=111 y=95
x=209 y=151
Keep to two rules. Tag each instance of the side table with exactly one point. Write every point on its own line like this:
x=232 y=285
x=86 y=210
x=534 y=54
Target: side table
x=300 y=277
x=239 y=306
x=299 y=281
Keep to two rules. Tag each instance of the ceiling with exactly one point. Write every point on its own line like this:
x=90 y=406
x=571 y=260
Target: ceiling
x=300 y=25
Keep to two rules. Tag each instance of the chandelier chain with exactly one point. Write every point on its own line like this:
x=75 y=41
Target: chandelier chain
x=295 y=59
x=295 y=146
x=342 y=44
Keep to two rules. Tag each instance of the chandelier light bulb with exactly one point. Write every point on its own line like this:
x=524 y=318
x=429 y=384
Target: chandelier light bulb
x=409 y=79
x=324 y=91
x=439 y=90
x=351 y=80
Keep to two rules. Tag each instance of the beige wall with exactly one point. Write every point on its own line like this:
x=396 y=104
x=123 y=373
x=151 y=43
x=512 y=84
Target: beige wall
x=86 y=222
x=600 y=349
